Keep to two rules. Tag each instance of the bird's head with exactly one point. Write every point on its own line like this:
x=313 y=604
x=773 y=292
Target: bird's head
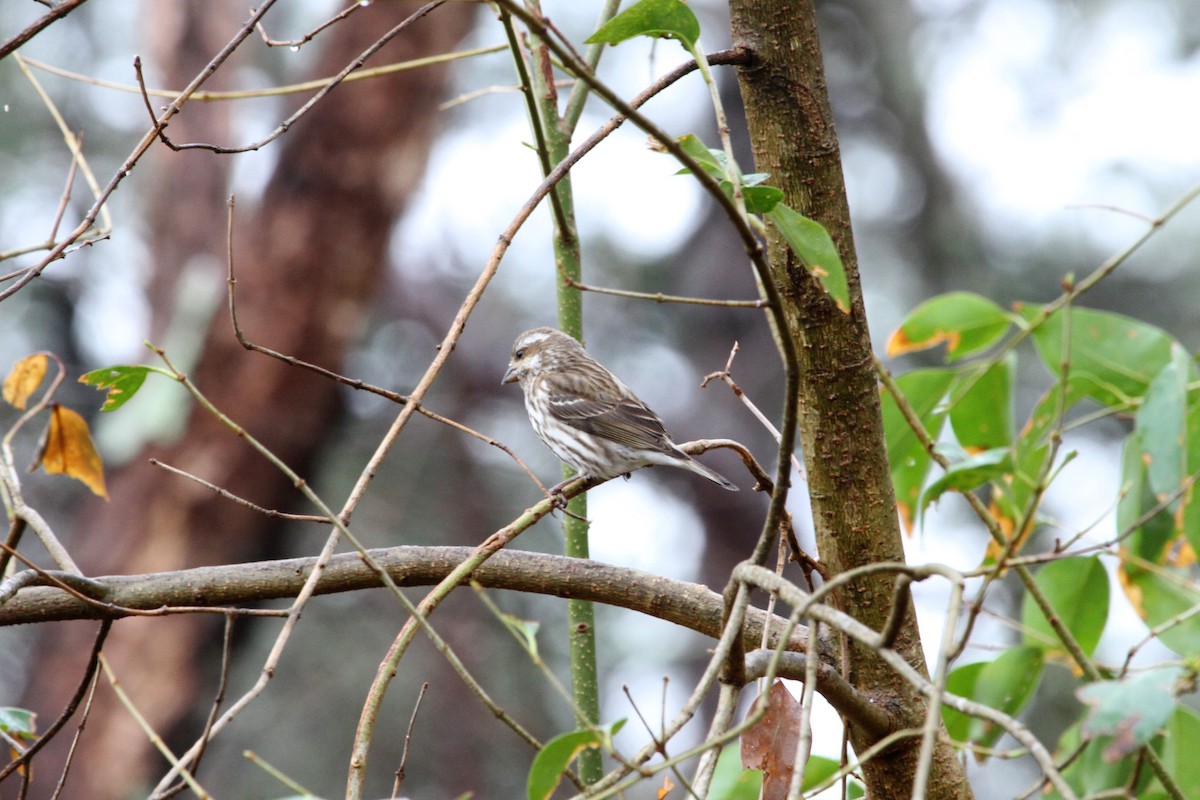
x=537 y=350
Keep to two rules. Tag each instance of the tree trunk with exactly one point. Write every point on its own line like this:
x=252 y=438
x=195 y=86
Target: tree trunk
x=311 y=259
x=841 y=430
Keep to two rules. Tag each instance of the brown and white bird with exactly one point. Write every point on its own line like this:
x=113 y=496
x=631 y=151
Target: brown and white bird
x=586 y=415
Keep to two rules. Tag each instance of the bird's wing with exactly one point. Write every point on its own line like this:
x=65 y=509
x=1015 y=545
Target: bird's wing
x=590 y=399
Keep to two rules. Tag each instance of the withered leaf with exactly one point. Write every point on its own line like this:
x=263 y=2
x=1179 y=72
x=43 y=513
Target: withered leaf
x=67 y=449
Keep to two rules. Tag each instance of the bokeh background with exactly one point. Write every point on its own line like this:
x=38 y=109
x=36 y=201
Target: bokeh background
x=989 y=145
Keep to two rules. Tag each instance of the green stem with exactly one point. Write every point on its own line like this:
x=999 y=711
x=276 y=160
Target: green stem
x=555 y=134
x=581 y=90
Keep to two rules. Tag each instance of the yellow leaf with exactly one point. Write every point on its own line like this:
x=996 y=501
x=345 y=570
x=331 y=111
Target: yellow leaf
x=1131 y=589
x=24 y=379
x=899 y=342
x=67 y=449
x=906 y=517
x=667 y=786
x=1181 y=553
x=1007 y=527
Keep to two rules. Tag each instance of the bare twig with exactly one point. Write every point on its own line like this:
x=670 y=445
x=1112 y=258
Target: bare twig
x=412 y=721
x=726 y=376
x=89 y=674
x=139 y=150
x=270 y=91
x=270 y=513
x=765 y=579
x=353 y=383
x=659 y=297
x=57 y=12
x=296 y=44
x=284 y=126
x=148 y=730
x=206 y=734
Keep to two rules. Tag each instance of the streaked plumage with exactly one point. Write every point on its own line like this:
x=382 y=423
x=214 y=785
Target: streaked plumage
x=586 y=415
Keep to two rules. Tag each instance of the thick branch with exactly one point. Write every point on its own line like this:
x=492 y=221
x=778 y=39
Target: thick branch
x=687 y=604
x=854 y=509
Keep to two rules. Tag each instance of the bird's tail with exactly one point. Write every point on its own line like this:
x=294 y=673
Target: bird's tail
x=695 y=466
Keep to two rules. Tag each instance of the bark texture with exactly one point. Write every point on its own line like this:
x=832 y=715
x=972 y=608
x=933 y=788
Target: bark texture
x=841 y=430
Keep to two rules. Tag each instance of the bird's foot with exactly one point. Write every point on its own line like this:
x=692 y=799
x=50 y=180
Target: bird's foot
x=559 y=500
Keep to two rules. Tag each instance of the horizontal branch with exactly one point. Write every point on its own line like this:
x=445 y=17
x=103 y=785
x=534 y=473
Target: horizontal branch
x=687 y=604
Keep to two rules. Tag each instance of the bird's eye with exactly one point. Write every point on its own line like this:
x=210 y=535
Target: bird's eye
x=520 y=353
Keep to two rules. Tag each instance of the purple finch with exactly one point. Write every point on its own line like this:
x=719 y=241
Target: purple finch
x=586 y=415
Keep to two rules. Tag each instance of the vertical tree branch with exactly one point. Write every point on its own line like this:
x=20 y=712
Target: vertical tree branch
x=841 y=429
x=581 y=623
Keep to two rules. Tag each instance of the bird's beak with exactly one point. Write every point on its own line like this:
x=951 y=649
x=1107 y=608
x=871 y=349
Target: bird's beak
x=510 y=376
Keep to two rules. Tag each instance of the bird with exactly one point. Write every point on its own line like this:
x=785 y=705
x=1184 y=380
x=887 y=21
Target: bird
x=587 y=416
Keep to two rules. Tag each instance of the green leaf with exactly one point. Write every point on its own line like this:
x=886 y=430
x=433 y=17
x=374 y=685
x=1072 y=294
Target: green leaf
x=666 y=19
x=1157 y=579
x=1119 y=354
x=1078 y=590
x=970 y=473
x=908 y=460
x=1089 y=774
x=1165 y=594
x=813 y=245
x=1132 y=711
x=525 y=631
x=962 y=682
x=1013 y=494
x=1189 y=513
x=982 y=417
x=1179 y=750
x=730 y=781
x=759 y=199
x=819 y=769
x=556 y=756
x=1162 y=424
x=1005 y=684
x=712 y=161
x=1045 y=415
x=122 y=383
x=965 y=322
x=18 y=722
x=1145 y=537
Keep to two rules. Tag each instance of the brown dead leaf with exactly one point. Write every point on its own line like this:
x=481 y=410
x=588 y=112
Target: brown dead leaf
x=771 y=744
x=23 y=379
x=666 y=788
x=67 y=449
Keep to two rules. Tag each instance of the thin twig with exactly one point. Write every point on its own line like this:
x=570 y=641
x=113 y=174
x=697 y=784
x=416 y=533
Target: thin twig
x=412 y=721
x=139 y=150
x=270 y=91
x=57 y=11
x=270 y=513
x=296 y=44
x=353 y=383
x=148 y=729
x=767 y=580
x=726 y=377
x=89 y=674
x=284 y=126
x=659 y=297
